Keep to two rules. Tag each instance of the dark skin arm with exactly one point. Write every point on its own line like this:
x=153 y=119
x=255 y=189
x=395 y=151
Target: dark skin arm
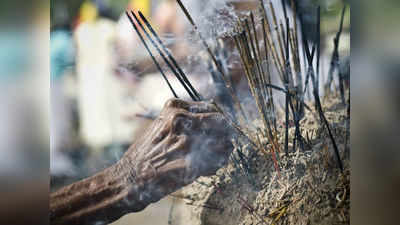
x=187 y=140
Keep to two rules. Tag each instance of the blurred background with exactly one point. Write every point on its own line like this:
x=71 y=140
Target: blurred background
x=104 y=90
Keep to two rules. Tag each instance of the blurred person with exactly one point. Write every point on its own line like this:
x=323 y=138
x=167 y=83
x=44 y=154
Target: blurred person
x=187 y=140
x=97 y=87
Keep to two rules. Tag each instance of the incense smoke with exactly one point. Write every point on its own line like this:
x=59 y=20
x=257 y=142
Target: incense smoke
x=213 y=18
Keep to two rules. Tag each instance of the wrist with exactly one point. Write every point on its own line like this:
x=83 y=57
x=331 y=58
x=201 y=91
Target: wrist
x=141 y=181
x=97 y=198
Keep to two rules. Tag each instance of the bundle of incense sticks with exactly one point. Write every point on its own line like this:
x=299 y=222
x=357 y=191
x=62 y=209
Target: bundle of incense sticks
x=281 y=47
x=164 y=53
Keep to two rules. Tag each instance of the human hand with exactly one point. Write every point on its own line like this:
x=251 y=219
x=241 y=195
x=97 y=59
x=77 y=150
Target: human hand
x=187 y=140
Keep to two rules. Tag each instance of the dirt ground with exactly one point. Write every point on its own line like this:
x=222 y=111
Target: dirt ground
x=308 y=188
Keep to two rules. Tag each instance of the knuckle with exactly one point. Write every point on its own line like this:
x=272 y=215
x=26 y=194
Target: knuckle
x=181 y=121
x=179 y=115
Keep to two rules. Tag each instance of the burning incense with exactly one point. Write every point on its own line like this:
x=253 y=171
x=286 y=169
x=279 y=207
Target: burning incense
x=183 y=75
x=180 y=76
x=214 y=59
x=151 y=55
x=318 y=105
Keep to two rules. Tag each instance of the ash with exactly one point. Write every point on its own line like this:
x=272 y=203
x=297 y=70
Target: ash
x=308 y=189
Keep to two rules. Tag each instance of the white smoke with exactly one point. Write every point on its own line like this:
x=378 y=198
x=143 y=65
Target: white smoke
x=214 y=18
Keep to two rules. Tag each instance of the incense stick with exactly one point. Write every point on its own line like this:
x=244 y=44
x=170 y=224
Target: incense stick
x=319 y=106
x=335 y=57
x=151 y=55
x=169 y=55
x=318 y=39
x=184 y=84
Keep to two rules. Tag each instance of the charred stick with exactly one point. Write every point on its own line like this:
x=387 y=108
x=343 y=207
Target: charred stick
x=285 y=14
x=347 y=124
x=310 y=59
x=296 y=119
x=287 y=36
x=151 y=55
x=289 y=80
x=290 y=94
x=339 y=161
x=318 y=46
x=284 y=52
x=287 y=84
x=335 y=55
x=319 y=106
x=214 y=59
x=341 y=87
x=287 y=125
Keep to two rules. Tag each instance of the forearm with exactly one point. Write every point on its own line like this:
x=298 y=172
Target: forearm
x=104 y=197
x=171 y=154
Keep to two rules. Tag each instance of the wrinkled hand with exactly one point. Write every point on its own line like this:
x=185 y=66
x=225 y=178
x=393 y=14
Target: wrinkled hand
x=187 y=140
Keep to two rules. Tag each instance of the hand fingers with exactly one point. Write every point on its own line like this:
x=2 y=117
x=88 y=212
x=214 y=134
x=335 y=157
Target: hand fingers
x=215 y=124
x=212 y=123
